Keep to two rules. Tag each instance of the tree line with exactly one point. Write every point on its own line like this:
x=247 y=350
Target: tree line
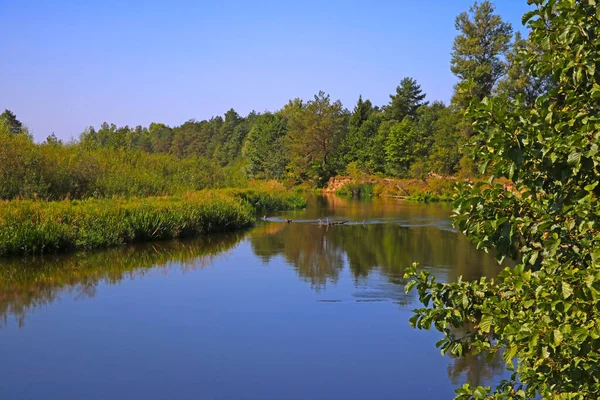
x=310 y=141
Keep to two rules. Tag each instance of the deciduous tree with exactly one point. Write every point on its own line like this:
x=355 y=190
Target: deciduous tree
x=315 y=130
x=543 y=314
x=478 y=52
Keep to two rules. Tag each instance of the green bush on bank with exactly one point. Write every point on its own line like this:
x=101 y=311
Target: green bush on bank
x=264 y=201
x=420 y=190
x=356 y=190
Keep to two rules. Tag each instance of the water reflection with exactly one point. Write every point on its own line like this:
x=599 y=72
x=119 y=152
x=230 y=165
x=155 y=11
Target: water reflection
x=360 y=262
x=382 y=234
x=477 y=370
x=387 y=235
x=26 y=283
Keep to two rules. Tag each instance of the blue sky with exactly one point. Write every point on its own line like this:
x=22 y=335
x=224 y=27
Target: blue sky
x=70 y=64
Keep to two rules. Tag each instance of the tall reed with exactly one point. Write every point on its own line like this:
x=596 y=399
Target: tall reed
x=37 y=227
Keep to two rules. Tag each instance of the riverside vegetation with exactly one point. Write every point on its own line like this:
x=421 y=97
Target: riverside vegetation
x=68 y=197
x=543 y=315
x=35 y=227
x=435 y=188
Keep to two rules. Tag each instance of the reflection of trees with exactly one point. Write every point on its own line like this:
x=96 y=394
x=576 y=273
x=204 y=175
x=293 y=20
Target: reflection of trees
x=37 y=281
x=479 y=369
x=304 y=246
x=317 y=252
x=374 y=208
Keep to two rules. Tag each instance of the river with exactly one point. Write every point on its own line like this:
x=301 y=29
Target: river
x=293 y=310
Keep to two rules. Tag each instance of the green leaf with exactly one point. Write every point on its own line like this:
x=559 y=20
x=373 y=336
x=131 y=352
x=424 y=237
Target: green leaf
x=509 y=353
x=557 y=337
x=528 y=303
x=574 y=158
x=511 y=170
x=589 y=281
x=413 y=320
x=567 y=290
x=410 y=286
x=545 y=352
x=486 y=323
x=483 y=167
x=533 y=257
x=527 y=16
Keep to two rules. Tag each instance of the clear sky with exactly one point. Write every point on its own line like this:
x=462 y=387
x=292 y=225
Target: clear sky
x=70 y=64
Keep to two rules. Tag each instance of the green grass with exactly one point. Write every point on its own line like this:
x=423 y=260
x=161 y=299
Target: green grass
x=38 y=227
x=264 y=201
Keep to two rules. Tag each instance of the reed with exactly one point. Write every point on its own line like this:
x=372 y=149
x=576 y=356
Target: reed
x=38 y=227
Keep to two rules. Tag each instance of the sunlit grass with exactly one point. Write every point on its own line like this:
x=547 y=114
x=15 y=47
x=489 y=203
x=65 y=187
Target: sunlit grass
x=37 y=227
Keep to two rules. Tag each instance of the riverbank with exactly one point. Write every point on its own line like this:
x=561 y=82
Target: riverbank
x=429 y=189
x=40 y=227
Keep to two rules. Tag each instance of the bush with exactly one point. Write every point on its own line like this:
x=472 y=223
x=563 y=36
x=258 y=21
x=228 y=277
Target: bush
x=56 y=172
x=419 y=170
x=356 y=190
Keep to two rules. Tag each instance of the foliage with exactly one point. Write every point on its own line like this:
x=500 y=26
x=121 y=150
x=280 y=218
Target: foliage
x=517 y=81
x=356 y=189
x=356 y=171
x=399 y=148
x=362 y=127
x=477 y=52
x=543 y=314
x=268 y=196
x=11 y=123
x=315 y=132
x=53 y=171
x=407 y=100
x=266 y=147
x=445 y=154
x=305 y=141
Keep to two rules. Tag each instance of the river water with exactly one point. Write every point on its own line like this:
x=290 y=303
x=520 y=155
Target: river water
x=283 y=311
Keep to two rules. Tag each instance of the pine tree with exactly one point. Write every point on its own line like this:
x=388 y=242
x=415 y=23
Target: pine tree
x=408 y=98
x=9 y=118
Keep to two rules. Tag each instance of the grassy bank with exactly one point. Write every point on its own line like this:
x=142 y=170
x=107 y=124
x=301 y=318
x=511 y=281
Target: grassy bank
x=37 y=227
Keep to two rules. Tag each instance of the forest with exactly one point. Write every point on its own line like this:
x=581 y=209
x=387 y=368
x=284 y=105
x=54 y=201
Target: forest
x=306 y=141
